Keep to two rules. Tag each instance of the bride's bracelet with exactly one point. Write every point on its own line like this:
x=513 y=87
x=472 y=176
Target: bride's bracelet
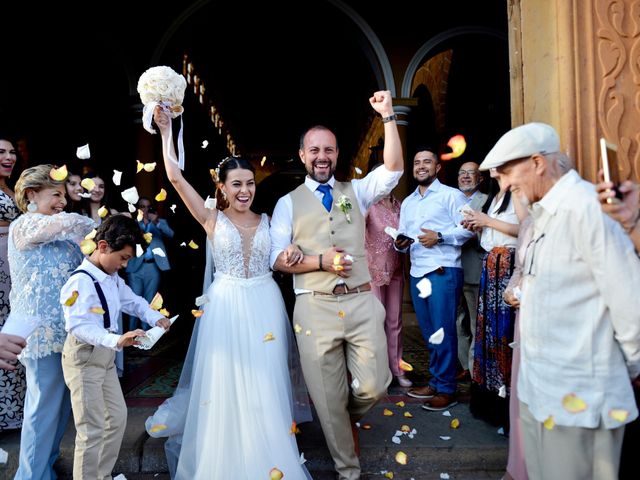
x=320 y=262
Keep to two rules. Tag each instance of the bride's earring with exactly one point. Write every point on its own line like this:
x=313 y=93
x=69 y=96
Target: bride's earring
x=32 y=207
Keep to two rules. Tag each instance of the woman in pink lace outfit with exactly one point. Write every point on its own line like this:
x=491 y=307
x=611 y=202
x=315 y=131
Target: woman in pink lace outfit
x=387 y=276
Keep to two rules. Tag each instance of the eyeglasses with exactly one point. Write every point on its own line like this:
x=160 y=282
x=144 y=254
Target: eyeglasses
x=467 y=172
x=532 y=244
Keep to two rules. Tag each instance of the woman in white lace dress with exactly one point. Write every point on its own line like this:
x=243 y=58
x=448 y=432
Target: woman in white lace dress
x=238 y=422
x=43 y=251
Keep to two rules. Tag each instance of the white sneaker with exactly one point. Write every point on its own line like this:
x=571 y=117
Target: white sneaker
x=403 y=381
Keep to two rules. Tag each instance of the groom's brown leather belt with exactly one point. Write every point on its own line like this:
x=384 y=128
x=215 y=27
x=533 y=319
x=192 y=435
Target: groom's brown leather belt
x=342 y=289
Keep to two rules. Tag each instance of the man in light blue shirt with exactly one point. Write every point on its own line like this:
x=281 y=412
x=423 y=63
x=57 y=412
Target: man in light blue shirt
x=431 y=216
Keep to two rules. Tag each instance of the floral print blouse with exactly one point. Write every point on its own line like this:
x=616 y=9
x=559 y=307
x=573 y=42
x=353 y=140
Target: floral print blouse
x=43 y=251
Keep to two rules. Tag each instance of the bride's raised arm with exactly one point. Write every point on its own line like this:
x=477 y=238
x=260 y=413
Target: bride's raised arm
x=191 y=198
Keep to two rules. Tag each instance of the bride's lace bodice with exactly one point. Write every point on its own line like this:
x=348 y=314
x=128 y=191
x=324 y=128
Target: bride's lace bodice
x=240 y=252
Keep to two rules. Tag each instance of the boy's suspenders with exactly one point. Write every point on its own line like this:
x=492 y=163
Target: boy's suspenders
x=103 y=300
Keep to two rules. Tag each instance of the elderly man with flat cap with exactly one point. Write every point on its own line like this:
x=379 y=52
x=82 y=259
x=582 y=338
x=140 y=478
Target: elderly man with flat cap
x=579 y=315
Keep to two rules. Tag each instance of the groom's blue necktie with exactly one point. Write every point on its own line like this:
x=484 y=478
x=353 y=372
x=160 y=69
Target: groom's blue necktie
x=327 y=198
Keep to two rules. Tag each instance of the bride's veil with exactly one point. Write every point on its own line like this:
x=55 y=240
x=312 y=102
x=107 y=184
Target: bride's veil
x=170 y=417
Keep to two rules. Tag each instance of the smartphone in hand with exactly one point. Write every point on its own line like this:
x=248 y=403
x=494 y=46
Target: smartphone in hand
x=402 y=238
x=611 y=167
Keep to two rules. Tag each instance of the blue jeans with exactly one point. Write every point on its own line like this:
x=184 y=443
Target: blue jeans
x=46 y=413
x=439 y=310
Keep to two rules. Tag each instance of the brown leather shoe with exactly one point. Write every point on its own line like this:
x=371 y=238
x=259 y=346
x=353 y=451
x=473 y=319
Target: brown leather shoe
x=422 y=392
x=463 y=376
x=356 y=438
x=439 y=402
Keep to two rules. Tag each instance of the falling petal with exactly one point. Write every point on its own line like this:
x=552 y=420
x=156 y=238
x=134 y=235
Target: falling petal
x=341 y=313
x=392 y=232
x=173 y=208
x=619 y=415
x=405 y=428
x=400 y=404
x=87 y=246
x=4 y=456
x=268 y=337
x=98 y=310
x=72 y=299
x=358 y=171
x=210 y=203
x=404 y=366
x=444 y=476
x=549 y=423
x=297 y=328
x=455 y=424
x=275 y=474
x=387 y=413
x=408 y=415
x=500 y=431
x=574 y=404
x=302 y=459
x=401 y=458
x=193 y=245
x=388 y=475
x=102 y=211
x=91 y=235
x=263 y=161
x=139 y=166
x=396 y=440
x=157 y=428
x=149 y=167
x=59 y=174
x=197 y=313
x=117 y=177
x=294 y=430
x=502 y=391
x=148 y=236
x=336 y=259
x=83 y=152
x=424 y=286
x=140 y=215
x=366 y=426
x=205 y=143
x=162 y=196
x=156 y=302
x=446 y=413
x=183 y=244
x=139 y=250
x=158 y=251
x=164 y=312
x=130 y=195
x=84 y=195
x=88 y=184
x=437 y=336
x=445 y=437
x=458 y=145
x=131 y=207
x=307 y=333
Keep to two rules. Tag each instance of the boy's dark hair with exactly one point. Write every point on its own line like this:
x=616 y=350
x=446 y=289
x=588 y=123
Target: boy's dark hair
x=119 y=231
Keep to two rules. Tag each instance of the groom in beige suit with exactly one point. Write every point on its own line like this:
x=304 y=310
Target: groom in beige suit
x=342 y=341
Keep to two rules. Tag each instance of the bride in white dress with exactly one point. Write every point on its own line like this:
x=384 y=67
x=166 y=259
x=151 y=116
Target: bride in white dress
x=232 y=414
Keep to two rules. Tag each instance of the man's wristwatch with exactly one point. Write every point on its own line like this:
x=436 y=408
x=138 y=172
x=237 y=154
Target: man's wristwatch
x=440 y=239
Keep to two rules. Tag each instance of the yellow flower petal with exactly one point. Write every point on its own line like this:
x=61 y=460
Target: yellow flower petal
x=148 y=236
x=156 y=302
x=139 y=166
x=149 y=167
x=404 y=366
x=401 y=458
x=102 y=211
x=297 y=328
x=405 y=428
x=387 y=413
x=400 y=404
x=341 y=313
x=197 y=313
x=140 y=215
x=388 y=474
x=72 y=299
x=98 y=310
x=294 y=428
x=407 y=415
x=88 y=184
x=549 y=423
x=366 y=426
x=193 y=245
x=307 y=333
x=157 y=428
x=268 y=337
x=458 y=145
x=59 y=174
x=275 y=474
x=455 y=423
x=336 y=259
x=87 y=246
x=162 y=195
x=574 y=404
x=619 y=415
x=91 y=235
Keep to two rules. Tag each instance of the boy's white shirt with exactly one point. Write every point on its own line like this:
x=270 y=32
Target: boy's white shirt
x=88 y=326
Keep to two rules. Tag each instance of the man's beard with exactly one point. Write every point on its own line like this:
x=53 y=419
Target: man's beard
x=320 y=178
x=426 y=181
x=469 y=189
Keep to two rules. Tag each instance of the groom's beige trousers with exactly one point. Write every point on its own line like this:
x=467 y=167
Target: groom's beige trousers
x=340 y=334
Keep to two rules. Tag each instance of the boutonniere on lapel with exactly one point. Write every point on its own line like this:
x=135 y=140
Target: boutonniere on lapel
x=344 y=204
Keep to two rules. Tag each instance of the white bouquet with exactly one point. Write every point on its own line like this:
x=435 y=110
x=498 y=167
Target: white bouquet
x=162 y=86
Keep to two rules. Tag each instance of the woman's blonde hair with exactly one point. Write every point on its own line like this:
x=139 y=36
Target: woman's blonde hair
x=34 y=178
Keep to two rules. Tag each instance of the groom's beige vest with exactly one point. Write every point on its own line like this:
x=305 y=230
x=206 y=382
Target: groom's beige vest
x=315 y=231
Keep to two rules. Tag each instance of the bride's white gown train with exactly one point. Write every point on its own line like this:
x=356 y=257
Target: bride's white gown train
x=239 y=394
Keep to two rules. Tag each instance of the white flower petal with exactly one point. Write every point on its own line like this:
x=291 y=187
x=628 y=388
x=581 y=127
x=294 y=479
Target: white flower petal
x=173 y=208
x=139 y=250
x=83 y=152
x=502 y=391
x=205 y=143
x=158 y=251
x=437 y=337
x=424 y=286
x=117 y=177
x=358 y=171
x=392 y=232
x=210 y=203
x=396 y=440
x=201 y=300
x=4 y=456
x=445 y=437
x=446 y=413
x=130 y=195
